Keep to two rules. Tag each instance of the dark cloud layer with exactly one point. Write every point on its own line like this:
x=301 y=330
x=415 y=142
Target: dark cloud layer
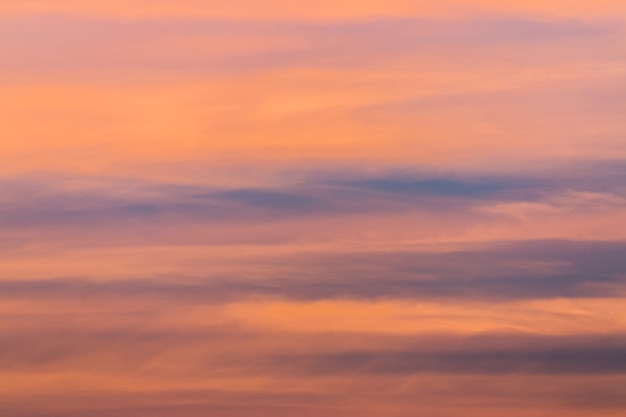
x=533 y=361
x=227 y=350
x=507 y=271
x=473 y=397
x=54 y=203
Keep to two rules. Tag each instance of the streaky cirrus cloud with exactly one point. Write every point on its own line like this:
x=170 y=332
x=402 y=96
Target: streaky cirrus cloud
x=54 y=44
x=312 y=10
x=305 y=209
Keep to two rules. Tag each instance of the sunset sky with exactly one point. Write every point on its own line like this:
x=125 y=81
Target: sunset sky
x=312 y=208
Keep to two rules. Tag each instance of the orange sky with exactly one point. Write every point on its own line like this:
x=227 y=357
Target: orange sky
x=312 y=209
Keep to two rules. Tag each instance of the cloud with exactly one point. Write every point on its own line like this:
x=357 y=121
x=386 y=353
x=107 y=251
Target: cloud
x=430 y=187
x=230 y=349
x=501 y=272
x=72 y=200
x=304 y=209
x=314 y=205
x=56 y=43
x=283 y=9
x=30 y=205
x=554 y=361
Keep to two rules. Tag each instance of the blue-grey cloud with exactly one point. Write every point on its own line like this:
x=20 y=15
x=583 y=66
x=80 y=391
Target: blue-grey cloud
x=134 y=209
x=573 y=360
x=502 y=272
x=35 y=203
x=44 y=346
x=584 y=371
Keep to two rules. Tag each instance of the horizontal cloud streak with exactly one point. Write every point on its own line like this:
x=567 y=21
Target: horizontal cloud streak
x=229 y=350
x=304 y=209
x=554 y=361
x=71 y=44
x=525 y=270
x=67 y=202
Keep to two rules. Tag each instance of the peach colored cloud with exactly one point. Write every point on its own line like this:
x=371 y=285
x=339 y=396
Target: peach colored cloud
x=296 y=208
x=282 y=9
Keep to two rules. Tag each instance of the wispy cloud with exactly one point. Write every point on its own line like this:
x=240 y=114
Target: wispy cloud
x=312 y=208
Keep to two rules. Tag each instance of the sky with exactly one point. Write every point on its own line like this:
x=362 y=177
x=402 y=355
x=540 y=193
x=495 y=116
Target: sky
x=308 y=208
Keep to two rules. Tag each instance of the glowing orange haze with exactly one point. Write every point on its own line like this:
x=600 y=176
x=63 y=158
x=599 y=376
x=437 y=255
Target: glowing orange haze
x=312 y=208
